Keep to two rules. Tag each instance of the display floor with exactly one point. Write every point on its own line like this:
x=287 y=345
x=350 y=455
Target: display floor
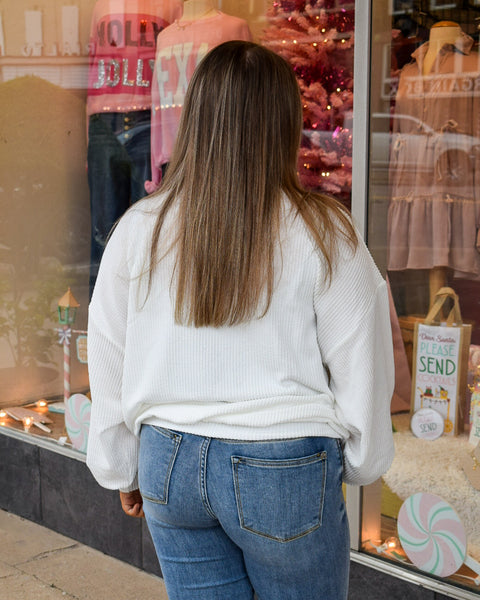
x=433 y=467
x=54 y=422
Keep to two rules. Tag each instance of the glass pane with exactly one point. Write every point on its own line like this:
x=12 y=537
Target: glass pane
x=423 y=232
x=44 y=208
x=91 y=94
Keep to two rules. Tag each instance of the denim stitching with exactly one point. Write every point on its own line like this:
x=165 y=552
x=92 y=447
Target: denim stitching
x=203 y=477
x=320 y=516
x=237 y=460
x=236 y=488
x=176 y=438
x=275 y=463
x=257 y=442
x=341 y=453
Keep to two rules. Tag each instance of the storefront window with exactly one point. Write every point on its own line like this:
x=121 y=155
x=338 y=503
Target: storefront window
x=423 y=221
x=91 y=93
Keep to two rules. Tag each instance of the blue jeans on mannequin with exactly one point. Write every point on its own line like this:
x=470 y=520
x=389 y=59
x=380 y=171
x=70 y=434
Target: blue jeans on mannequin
x=118 y=165
x=230 y=518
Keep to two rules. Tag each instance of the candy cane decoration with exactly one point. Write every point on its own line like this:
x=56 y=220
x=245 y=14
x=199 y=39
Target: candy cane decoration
x=65 y=336
x=66 y=369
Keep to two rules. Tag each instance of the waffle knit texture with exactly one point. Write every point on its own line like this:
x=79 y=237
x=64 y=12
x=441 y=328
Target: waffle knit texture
x=318 y=363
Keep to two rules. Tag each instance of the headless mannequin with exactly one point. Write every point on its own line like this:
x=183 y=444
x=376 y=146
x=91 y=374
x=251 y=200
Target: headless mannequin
x=180 y=47
x=194 y=10
x=444 y=32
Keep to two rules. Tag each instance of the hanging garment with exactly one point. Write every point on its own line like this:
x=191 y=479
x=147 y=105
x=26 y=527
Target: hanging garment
x=435 y=164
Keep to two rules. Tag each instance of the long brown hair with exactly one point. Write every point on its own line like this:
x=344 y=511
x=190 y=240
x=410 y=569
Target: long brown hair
x=235 y=156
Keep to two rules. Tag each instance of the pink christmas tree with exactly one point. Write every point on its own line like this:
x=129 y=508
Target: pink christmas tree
x=316 y=37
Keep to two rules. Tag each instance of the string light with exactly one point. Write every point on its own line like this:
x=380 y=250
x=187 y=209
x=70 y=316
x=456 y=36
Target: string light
x=27 y=423
x=391 y=543
x=390 y=548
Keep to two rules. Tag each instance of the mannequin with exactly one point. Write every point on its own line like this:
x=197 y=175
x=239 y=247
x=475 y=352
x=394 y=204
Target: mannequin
x=122 y=52
x=434 y=171
x=180 y=47
x=443 y=32
x=193 y=10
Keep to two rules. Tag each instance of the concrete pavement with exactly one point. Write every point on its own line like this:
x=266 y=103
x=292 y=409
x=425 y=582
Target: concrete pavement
x=39 y=564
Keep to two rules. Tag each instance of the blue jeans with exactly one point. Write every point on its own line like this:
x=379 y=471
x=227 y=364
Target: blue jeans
x=231 y=518
x=118 y=165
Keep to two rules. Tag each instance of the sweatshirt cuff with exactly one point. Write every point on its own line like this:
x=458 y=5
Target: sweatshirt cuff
x=130 y=488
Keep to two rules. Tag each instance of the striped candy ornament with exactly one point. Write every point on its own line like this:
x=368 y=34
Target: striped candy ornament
x=77 y=420
x=432 y=534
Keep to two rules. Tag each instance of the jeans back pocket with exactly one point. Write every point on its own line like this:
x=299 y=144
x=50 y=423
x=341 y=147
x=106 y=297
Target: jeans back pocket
x=280 y=499
x=158 y=450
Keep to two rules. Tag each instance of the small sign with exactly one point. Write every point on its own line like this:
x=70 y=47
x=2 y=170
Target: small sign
x=427 y=424
x=436 y=372
x=82 y=349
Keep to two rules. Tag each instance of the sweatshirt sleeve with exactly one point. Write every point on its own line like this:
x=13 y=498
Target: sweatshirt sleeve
x=355 y=339
x=112 y=452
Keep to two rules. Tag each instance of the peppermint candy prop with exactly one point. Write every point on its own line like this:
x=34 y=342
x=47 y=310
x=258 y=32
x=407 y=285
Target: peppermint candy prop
x=77 y=420
x=433 y=536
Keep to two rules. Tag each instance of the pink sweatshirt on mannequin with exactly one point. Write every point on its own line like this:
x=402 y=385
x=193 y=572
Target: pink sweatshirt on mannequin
x=180 y=47
x=122 y=52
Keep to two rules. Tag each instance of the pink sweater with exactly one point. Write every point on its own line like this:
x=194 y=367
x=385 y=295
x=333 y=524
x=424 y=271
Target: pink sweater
x=180 y=47
x=122 y=52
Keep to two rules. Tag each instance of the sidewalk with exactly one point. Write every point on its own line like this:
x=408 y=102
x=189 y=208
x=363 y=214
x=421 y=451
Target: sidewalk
x=39 y=564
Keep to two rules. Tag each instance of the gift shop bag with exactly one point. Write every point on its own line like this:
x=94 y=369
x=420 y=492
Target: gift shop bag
x=440 y=362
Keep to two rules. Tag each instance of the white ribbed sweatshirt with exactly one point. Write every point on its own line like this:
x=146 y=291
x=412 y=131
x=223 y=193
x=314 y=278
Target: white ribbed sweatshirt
x=318 y=363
